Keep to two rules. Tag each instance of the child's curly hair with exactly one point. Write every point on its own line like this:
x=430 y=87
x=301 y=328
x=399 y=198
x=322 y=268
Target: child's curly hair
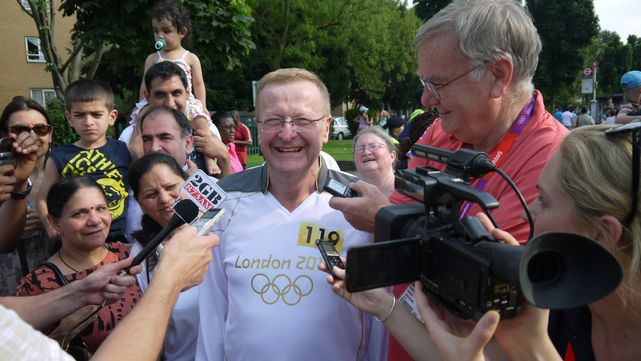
x=175 y=12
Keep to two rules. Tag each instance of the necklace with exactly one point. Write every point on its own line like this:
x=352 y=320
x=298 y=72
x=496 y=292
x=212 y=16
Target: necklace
x=65 y=263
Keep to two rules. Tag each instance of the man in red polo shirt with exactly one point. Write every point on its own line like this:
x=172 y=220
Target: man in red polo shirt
x=482 y=88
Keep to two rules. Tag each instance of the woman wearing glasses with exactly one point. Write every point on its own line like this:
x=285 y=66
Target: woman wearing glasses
x=374 y=157
x=24 y=115
x=590 y=187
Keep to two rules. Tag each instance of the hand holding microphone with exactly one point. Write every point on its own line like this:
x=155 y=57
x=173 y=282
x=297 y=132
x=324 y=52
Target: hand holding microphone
x=185 y=212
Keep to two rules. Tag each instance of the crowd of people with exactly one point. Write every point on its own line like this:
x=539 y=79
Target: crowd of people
x=626 y=112
x=255 y=287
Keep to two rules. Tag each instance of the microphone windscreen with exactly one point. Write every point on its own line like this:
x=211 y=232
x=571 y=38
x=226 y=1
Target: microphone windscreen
x=186 y=210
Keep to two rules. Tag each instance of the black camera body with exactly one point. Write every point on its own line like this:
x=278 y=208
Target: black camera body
x=451 y=261
x=459 y=263
x=6 y=151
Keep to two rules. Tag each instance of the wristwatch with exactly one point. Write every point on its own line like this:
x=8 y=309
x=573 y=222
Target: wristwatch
x=22 y=194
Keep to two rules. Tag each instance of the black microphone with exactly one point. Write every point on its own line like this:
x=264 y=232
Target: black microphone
x=464 y=162
x=185 y=212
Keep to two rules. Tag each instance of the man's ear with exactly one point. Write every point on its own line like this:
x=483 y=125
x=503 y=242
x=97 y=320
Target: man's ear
x=145 y=94
x=326 y=127
x=614 y=229
x=189 y=144
x=502 y=71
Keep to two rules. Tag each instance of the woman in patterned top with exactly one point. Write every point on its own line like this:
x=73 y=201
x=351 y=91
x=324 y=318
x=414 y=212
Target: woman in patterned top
x=79 y=213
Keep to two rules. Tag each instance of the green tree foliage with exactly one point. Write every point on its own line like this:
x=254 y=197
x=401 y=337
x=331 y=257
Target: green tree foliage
x=612 y=60
x=221 y=36
x=80 y=60
x=63 y=133
x=425 y=9
x=360 y=48
x=634 y=44
x=565 y=27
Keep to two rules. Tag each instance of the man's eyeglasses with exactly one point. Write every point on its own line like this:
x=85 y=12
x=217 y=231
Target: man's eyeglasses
x=40 y=129
x=433 y=88
x=370 y=147
x=635 y=128
x=275 y=125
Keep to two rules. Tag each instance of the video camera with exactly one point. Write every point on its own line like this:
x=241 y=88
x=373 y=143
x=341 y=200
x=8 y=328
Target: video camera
x=459 y=263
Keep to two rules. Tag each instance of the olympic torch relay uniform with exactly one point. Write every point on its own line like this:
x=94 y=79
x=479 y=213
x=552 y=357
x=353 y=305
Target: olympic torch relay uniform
x=263 y=297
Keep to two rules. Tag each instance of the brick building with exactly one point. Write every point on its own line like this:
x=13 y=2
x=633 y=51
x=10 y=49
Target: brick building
x=22 y=65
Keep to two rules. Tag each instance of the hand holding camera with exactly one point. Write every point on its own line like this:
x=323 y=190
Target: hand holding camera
x=375 y=301
x=20 y=151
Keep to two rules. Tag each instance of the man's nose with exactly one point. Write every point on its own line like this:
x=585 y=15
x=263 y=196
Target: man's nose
x=170 y=102
x=428 y=99
x=287 y=131
x=156 y=146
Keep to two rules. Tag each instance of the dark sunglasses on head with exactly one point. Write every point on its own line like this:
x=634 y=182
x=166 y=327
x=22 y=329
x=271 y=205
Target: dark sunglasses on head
x=635 y=129
x=40 y=129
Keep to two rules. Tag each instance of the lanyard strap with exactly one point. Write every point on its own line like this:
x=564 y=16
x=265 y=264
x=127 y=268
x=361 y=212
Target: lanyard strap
x=503 y=148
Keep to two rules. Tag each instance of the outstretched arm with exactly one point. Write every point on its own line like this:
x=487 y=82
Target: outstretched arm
x=104 y=283
x=406 y=328
x=361 y=211
x=183 y=264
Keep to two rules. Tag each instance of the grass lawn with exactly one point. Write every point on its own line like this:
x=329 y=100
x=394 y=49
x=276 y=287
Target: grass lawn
x=341 y=150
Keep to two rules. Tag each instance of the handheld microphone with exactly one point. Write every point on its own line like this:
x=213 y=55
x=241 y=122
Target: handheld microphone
x=186 y=211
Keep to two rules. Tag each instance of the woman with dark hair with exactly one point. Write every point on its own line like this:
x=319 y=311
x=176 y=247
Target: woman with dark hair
x=78 y=211
x=26 y=115
x=156 y=180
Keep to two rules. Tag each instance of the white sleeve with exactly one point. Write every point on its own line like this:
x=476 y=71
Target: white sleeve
x=214 y=130
x=126 y=134
x=19 y=341
x=212 y=309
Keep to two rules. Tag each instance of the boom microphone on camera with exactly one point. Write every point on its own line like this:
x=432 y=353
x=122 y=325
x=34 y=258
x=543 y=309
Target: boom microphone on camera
x=185 y=212
x=464 y=163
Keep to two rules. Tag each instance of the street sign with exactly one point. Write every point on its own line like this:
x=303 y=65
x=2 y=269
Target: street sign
x=587 y=86
x=587 y=73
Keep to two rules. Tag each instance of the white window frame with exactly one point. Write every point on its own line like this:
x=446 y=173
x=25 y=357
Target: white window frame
x=40 y=95
x=41 y=55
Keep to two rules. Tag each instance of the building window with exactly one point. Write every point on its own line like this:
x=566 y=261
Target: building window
x=34 y=51
x=42 y=96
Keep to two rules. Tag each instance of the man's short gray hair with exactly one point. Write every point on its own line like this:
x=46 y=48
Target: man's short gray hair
x=490 y=30
x=288 y=75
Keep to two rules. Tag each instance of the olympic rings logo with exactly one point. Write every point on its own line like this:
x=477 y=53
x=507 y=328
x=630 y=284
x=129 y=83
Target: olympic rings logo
x=271 y=290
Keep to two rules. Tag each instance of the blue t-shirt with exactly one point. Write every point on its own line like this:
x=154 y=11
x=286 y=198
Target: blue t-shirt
x=559 y=116
x=107 y=165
